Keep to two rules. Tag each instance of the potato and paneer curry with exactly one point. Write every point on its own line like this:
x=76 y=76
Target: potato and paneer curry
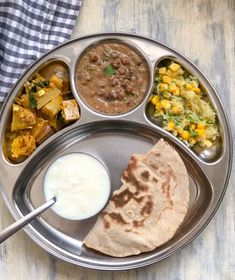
x=42 y=108
x=182 y=106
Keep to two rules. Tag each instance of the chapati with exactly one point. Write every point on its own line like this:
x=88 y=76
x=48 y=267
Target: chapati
x=148 y=208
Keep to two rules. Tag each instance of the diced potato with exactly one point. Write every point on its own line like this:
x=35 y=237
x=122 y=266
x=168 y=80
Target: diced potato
x=70 y=110
x=22 y=118
x=41 y=131
x=57 y=82
x=53 y=107
x=23 y=145
x=45 y=95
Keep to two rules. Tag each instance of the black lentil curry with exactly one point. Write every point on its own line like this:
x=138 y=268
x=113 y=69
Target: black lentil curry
x=112 y=77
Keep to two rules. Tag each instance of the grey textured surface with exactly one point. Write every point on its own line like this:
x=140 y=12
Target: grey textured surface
x=205 y=32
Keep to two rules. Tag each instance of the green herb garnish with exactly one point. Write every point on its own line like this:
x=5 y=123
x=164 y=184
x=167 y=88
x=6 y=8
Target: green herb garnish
x=32 y=100
x=110 y=70
x=42 y=84
x=193 y=133
x=59 y=116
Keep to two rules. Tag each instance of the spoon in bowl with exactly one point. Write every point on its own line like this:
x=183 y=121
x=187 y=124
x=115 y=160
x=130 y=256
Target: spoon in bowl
x=12 y=229
x=79 y=195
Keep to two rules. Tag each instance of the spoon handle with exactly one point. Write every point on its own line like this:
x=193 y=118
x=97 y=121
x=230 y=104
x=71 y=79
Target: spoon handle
x=9 y=231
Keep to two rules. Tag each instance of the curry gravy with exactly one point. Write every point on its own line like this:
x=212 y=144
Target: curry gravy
x=112 y=78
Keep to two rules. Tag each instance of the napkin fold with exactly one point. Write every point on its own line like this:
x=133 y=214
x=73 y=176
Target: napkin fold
x=28 y=29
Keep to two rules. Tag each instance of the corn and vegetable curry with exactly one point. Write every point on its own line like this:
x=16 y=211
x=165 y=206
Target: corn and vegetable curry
x=182 y=106
x=41 y=109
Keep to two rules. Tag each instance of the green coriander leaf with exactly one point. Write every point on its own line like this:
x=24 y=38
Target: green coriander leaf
x=110 y=70
x=32 y=100
x=193 y=133
x=41 y=84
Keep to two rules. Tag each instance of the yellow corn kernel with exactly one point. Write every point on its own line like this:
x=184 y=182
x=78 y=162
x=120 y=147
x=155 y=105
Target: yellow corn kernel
x=200 y=126
x=165 y=104
x=208 y=143
x=188 y=86
x=162 y=70
x=180 y=130
x=177 y=92
x=180 y=83
x=174 y=67
x=193 y=84
x=155 y=99
x=185 y=135
x=176 y=110
x=163 y=87
x=174 y=89
x=166 y=79
x=201 y=133
x=193 y=126
x=197 y=90
x=170 y=125
x=192 y=141
x=157 y=106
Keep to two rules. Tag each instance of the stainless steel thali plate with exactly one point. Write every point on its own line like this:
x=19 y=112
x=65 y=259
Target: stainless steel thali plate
x=112 y=139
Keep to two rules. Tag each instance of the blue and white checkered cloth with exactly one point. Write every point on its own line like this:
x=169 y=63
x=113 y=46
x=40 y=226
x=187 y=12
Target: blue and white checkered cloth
x=28 y=29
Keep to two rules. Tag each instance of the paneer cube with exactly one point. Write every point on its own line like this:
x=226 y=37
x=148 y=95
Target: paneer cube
x=45 y=95
x=22 y=118
x=53 y=107
x=70 y=110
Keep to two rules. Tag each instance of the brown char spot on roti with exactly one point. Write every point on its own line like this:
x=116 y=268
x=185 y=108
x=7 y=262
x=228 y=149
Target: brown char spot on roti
x=138 y=223
x=156 y=154
x=155 y=180
x=152 y=164
x=145 y=174
x=166 y=191
x=124 y=197
x=130 y=177
x=166 y=185
x=162 y=172
x=117 y=217
x=147 y=208
x=171 y=173
x=106 y=223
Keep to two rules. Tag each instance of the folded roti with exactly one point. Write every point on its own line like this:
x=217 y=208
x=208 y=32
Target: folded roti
x=148 y=208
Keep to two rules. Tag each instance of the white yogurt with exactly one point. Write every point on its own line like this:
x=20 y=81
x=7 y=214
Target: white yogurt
x=80 y=183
